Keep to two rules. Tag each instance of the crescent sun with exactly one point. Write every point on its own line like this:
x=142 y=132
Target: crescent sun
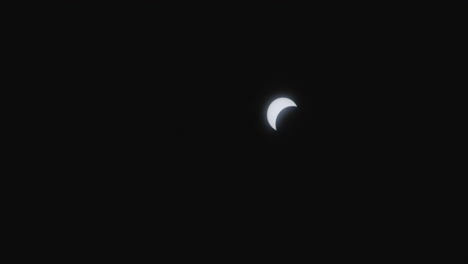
x=275 y=109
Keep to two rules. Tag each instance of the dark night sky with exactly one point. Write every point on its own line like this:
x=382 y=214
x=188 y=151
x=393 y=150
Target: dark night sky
x=174 y=100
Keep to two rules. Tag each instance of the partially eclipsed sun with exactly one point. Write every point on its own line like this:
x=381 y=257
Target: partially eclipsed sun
x=276 y=107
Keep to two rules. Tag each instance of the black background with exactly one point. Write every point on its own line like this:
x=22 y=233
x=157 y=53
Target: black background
x=168 y=126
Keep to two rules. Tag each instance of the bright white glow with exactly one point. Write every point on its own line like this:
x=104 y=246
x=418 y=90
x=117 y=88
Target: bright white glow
x=276 y=107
